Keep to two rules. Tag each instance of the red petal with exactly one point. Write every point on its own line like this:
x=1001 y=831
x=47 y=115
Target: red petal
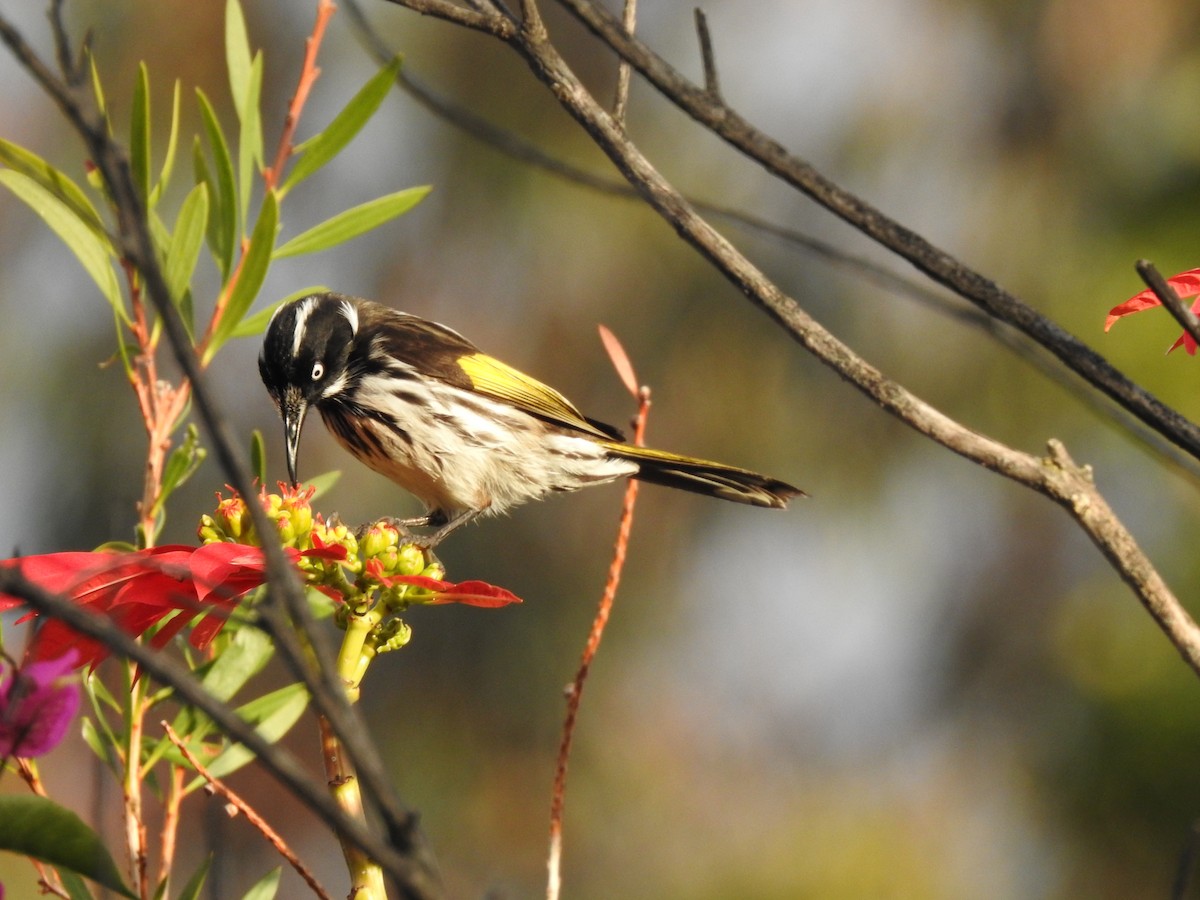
x=1186 y=284
x=476 y=593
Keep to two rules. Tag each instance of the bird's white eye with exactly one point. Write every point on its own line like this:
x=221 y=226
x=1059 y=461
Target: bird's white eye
x=318 y=371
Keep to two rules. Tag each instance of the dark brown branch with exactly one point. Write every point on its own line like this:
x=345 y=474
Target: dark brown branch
x=521 y=150
x=1057 y=477
x=940 y=266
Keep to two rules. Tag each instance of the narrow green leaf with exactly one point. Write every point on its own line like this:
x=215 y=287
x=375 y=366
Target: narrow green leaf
x=251 y=274
x=272 y=715
x=237 y=53
x=187 y=240
x=266 y=887
x=245 y=655
x=353 y=222
x=92 y=252
x=181 y=465
x=324 y=482
x=250 y=138
x=258 y=456
x=54 y=181
x=74 y=885
x=191 y=890
x=97 y=88
x=37 y=827
x=168 y=166
x=159 y=233
x=346 y=124
x=224 y=199
x=139 y=132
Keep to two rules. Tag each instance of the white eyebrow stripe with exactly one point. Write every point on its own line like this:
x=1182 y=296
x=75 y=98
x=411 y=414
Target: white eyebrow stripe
x=303 y=311
x=351 y=313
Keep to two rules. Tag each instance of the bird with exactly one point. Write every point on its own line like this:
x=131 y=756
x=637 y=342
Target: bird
x=463 y=432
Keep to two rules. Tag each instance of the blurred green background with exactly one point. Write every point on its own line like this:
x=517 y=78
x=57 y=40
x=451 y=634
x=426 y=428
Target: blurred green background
x=921 y=681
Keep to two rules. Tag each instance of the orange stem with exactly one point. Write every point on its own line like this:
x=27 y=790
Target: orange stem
x=309 y=73
x=575 y=691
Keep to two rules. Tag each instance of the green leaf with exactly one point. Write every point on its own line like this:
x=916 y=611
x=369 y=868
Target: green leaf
x=98 y=88
x=353 y=222
x=37 y=827
x=90 y=250
x=168 y=166
x=237 y=52
x=266 y=887
x=252 y=272
x=139 y=133
x=184 y=252
x=250 y=138
x=254 y=325
x=258 y=456
x=319 y=150
x=225 y=231
x=181 y=464
x=54 y=181
x=191 y=890
x=324 y=482
x=245 y=655
x=272 y=715
x=75 y=887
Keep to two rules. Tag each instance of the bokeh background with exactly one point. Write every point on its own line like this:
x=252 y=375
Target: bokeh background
x=919 y=682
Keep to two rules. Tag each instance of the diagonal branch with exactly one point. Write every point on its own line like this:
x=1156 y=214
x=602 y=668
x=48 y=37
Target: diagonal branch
x=724 y=121
x=1057 y=477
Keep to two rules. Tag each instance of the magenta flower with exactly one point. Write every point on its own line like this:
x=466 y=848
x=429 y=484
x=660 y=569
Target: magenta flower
x=37 y=703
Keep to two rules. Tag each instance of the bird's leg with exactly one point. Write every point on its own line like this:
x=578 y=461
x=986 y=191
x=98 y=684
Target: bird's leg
x=447 y=525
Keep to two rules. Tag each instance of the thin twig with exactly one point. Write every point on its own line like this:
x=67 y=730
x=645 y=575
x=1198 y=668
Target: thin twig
x=574 y=691
x=711 y=86
x=272 y=836
x=624 y=70
x=309 y=72
x=1171 y=300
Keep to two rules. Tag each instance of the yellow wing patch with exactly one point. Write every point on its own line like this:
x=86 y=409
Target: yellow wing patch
x=495 y=379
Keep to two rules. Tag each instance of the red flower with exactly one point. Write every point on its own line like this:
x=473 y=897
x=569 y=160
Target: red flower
x=140 y=590
x=1186 y=284
x=472 y=593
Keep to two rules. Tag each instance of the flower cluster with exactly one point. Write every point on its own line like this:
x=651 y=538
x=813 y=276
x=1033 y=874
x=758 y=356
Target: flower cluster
x=381 y=565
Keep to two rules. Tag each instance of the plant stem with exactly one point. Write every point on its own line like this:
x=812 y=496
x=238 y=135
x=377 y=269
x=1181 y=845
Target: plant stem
x=366 y=877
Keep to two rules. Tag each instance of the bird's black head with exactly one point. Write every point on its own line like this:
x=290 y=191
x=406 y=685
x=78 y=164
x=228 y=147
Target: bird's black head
x=304 y=358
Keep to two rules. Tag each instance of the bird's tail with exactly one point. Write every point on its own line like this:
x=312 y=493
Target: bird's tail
x=704 y=477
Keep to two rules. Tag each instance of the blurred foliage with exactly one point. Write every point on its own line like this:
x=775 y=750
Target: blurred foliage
x=966 y=701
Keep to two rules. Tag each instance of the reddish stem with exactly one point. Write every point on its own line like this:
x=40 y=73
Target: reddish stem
x=308 y=76
x=575 y=691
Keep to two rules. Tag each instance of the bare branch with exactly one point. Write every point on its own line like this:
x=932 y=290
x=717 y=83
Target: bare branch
x=1058 y=478
x=621 y=103
x=711 y=86
x=939 y=265
x=476 y=18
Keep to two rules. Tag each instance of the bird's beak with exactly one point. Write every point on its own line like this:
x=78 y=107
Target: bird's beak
x=292 y=409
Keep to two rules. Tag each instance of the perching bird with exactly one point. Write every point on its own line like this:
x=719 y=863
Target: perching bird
x=461 y=431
